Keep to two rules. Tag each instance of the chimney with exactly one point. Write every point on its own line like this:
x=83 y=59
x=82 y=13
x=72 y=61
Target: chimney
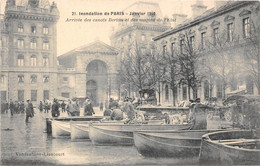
x=178 y=16
x=218 y=4
x=198 y=8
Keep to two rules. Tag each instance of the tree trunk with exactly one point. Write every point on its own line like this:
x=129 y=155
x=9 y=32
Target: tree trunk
x=173 y=96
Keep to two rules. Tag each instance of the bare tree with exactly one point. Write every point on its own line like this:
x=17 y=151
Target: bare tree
x=188 y=58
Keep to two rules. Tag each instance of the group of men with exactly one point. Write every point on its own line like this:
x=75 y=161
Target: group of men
x=14 y=107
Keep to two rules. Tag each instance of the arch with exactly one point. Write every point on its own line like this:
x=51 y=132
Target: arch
x=97 y=67
x=206 y=89
x=92 y=91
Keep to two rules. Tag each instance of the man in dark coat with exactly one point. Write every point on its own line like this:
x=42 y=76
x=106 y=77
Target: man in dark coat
x=55 y=109
x=63 y=106
x=29 y=110
x=22 y=107
x=88 y=109
x=41 y=106
x=12 y=106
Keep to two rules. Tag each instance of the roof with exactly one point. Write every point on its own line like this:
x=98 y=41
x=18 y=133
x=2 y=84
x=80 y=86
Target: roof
x=92 y=48
x=211 y=13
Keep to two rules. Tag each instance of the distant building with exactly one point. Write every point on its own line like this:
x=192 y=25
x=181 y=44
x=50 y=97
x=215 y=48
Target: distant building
x=140 y=29
x=88 y=71
x=28 y=50
x=232 y=22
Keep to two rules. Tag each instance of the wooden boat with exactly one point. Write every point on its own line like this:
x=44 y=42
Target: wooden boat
x=122 y=134
x=231 y=147
x=68 y=119
x=169 y=143
x=60 y=128
x=80 y=130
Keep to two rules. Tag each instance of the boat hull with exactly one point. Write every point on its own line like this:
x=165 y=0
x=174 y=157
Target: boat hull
x=117 y=134
x=178 y=143
x=213 y=148
x=80 y=130
x=60 y=128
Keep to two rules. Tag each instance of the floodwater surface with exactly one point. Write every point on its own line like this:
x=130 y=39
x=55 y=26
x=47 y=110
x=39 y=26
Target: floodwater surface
x=27 y=144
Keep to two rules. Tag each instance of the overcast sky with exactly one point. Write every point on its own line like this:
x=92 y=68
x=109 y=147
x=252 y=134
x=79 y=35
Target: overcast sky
x=71 y=35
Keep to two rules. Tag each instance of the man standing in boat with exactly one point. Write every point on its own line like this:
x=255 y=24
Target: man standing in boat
x=88 y=109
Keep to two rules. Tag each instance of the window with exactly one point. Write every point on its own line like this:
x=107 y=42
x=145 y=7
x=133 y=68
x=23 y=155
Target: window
x=230 y=32
x=164 y=49
x=33 y=43
x=65 y=79
x=46 y=95
x=166 y=92
x=3 y=96
x=20 y=43
x=143 y=37
x=65 y=94
x=20 y=60
x=219 y=90
x=246 y=28
x=33 y=60
x=20 y=78
x=172 y=48
x=33 y=29
x=182 y=45
x=45 y=30
x=203 y=35
x=45 y=61
x=2 y=79
x=20 y=27
x=45 y=45
x=33 y=79
x=33 y=95
x=184 y=93
x=215 y=35
x=206 y=90
x=45 y=79
x=192 y=43
x=20 y=95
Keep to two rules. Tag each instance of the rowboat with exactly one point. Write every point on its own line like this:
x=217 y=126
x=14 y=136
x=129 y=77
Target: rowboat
x=122 y=134
x=60 y=128
x=231 y=147
x=68 y=119
x=80 y=130
x=169 y=143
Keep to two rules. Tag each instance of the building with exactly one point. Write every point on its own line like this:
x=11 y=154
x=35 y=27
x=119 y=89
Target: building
x=139 y=30
x=28 y=50
x=89 y=71
x=230 y=31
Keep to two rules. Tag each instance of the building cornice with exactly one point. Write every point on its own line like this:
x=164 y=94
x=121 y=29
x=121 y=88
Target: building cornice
x=202 y=19
x=156 y=28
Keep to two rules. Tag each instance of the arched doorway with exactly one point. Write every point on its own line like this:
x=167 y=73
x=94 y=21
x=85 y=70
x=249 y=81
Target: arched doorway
x=97 y=81
x=92 y=91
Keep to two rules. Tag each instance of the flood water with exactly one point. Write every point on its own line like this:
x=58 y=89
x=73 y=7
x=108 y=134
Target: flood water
x=27 y=143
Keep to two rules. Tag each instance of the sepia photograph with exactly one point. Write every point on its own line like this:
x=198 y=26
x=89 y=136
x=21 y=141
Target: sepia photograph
x=130 y=82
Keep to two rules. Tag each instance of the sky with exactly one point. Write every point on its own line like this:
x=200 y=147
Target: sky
x=71 y=35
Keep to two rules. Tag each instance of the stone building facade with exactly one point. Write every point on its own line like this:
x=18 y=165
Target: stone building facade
x=235 y=23
x=89 y=71
x=28 y=50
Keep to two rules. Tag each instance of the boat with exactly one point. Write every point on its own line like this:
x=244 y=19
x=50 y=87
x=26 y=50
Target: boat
x=169 y=143
x=68 y=119
x=231 y=147
x=80 y=129
x=60 y=128
x=122 y=134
